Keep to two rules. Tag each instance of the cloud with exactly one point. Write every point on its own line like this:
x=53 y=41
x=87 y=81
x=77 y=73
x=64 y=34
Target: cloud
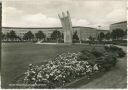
x=116 y=15
x=18 y=18
x=11 y=16
x=41 y=20
x=34 y=20
x=79 y=22
x=40 y=13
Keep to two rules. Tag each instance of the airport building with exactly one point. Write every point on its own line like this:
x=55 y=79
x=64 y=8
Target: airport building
x=83 y=32
x=119 y=25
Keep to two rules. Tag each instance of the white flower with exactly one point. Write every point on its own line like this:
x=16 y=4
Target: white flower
x=51 y=74
x=30 y=64
x=33 y=79
x=60 y=75
x=63 y=76
x=47 y=75
x=89 y=69
x=39 y=75
x=58 y=71
x=33 y=72
x=95 y=67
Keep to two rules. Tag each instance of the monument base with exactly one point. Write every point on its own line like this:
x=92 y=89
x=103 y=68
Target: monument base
x=68 y=43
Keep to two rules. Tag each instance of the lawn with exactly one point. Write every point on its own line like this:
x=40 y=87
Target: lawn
x=17 y=56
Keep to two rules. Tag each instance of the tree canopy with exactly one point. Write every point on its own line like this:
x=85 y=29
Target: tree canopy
x=28 y=36
x=117 y=34
x=101 y=36
x=91 y=38
x=56 y=34
x=75 y=36
x=108 y=36
x=11 y=35
x=40 y=35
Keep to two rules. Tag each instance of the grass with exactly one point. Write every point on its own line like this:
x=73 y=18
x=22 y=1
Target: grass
x=17 y=56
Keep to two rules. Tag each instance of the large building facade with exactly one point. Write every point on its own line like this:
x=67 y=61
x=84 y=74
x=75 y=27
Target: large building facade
x=83 y=32
x=120 y=25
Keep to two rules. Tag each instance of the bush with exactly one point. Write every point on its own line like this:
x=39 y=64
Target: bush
x=107 y=62
x=105 y=58
x=121 y=53
x=115 y=50
x=87 y=56
x=97 y=53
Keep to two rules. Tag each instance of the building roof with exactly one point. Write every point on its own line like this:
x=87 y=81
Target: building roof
x=119 y=22
x=44 y=27
x=102 y=30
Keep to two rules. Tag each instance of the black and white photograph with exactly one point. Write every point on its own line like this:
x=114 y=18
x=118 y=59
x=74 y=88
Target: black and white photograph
x=63 y=44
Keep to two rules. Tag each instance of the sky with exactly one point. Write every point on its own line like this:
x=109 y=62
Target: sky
x=44 y=13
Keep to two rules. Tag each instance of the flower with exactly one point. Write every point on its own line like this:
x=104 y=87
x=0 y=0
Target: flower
x=64 y=66
x=39 y=75
x=47 y=75
x=95 y=67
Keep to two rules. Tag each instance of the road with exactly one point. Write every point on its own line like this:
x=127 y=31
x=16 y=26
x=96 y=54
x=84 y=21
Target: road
x=116 y=78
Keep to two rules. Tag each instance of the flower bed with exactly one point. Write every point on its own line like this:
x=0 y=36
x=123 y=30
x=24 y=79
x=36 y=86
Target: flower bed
x=63 y=69
x=66 y=68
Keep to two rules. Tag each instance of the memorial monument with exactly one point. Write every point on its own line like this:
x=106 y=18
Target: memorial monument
x=67 y=27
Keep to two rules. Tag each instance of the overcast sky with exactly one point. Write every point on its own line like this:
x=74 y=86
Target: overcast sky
x=44 y=13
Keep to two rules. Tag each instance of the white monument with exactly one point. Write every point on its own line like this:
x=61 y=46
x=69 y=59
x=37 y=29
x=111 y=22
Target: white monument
x=67 y=27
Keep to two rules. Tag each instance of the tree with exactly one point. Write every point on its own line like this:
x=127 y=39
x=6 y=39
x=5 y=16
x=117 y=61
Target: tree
x=101 y=36
x=91 y=38
x=11 y=35
x=56 y=35
x=28 y=36
x=8 y=36
x=2 y=36
x=108 y=36
x=75 y=36
x=125 y=32
x=120 y=33
x=117 y=34
x=40 y=35
x=62 y=36
x=113 y=35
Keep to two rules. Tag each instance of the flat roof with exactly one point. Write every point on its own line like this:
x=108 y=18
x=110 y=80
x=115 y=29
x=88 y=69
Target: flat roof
x=44 y=27
x=119 y=22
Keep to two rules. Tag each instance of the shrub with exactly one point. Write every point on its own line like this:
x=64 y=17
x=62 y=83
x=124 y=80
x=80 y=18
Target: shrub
x=121 y=53
x=115 y=50
x=97 y=53
x=107 y=61
x=87 y=56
